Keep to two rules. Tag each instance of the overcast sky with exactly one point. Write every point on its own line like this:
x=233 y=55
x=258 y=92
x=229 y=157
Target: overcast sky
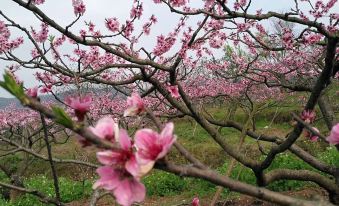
x=97 y=10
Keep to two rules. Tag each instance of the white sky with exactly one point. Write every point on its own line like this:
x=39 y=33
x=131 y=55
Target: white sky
x=97 y=10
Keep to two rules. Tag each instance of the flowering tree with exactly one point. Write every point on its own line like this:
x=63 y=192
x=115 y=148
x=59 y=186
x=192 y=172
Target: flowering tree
x=179 y=77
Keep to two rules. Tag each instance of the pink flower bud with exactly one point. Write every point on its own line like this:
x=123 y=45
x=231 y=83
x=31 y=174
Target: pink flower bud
x=308 y=116
x=135 y=105
x=81 y=105
x=174 y=91
x=311 y=136
x=112 y=24
x=79 y=7
x=195 y=201
x=32 y=92
x=106 y=129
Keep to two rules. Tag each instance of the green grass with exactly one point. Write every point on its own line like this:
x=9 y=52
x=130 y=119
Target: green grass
x=69 y=190
x=330 y=156
x=162 y=184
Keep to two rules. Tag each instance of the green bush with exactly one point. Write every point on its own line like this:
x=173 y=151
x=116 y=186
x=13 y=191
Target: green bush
x=160 y=183
x=283 y=161
x=3 y=177
x=330 y=156
x=25 y=200
x=287 y=185
x=288 y=161
x=69 y=191
x=13 y=161
x=164 y=184
x=3 y=202
x=240 y=173
x=199 y=187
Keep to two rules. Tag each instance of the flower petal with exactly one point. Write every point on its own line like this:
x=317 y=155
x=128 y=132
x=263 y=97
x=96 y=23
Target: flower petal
x=167 y=132
x=145 y=137
x=109 y=178
x=124 y=140
x=105 y=157
x=334 y=136
x=132 y=166
x=129 y=191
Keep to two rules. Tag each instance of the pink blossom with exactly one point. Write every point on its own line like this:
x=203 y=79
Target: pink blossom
x=128 y=191
x=153 y=19
x=4 y=37
x=135 y=105
x=312 y=136
x=32 y=92
x=120 y=175
x=35 y=53
x=79 y=7
x=80 y=105
x=216 y=24
x=38 y=2
x=209 y=3
x=146 y=28
x=105 y=128
x=243 y=2
x=308 y=116
x=178 y=3
x=5 y=43
x=129 y=28
x=334 y=136
x=313 y=38
x=42 y=35
x=334 y=16
x=174 y=91
x=59 y=41
x=216 y=42
x=136 y=12
x=46 y=89
x=153 y=146
x=83 y=33
x=91 y=26
x=163 y=45
x=195 y=201
x=260 y=28
x=112 y=24
x=124 y=158
x=236 y=6
x=287 y=38
x=109 y=178
x=16 y=42
x=243 y=26
x=125 y=188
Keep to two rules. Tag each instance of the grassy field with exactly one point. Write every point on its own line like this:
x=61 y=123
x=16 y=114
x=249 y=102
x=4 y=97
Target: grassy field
x=75 y=182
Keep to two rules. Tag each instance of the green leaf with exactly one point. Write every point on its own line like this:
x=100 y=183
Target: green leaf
x=62 y=117
x=51 y=38
x=11 y=86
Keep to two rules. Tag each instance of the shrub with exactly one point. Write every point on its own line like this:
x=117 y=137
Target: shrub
x=69 y=191
x=330 y=156
x=164 y=184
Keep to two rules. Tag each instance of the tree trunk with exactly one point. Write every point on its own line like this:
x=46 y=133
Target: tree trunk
x=326 y=110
